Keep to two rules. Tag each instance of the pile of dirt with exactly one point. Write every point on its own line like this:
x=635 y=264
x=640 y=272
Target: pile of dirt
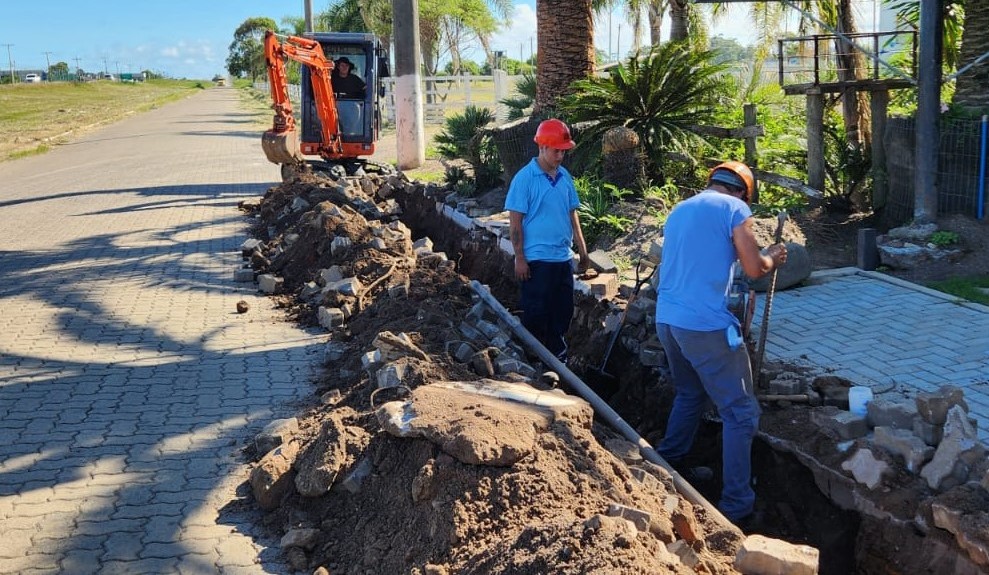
x=406 y=462
x=365 y=498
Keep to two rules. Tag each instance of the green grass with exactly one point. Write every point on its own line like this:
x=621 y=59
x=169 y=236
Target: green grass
x=966 y=288
x=35 y=116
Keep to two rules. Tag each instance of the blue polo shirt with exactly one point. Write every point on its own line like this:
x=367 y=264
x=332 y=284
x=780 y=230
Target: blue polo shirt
x=546 y=204
x=698 y=256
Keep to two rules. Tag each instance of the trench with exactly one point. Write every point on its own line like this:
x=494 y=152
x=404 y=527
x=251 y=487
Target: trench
x=790 y=502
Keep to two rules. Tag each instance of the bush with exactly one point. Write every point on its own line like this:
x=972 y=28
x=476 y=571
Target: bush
x=466 y=137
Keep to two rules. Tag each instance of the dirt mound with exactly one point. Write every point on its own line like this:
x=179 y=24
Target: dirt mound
x=478 y=488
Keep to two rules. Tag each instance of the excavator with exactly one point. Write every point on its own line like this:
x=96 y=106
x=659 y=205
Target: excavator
x=340 y=128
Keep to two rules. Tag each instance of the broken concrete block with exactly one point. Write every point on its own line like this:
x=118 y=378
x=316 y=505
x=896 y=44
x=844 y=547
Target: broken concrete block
x=392 y=347
x=489 y=329
x=370 y=358
x=463 y=352
x=273 y=478
x=249 y=246
x=933 y=407
x=504 y=365
x=886 y=413
x=340 y=244
x=391 y=374
x=355 y=479
x=601 y=262
x=398 y=286
x=331 y=275
x=309 y=291
x=604 y=286
x=299 y=204
x=656 y=252
x=640 y=518
x=759 y=554
x=786 y=384
x=866 y=468
x=684 y=552
x=334 y=351
x=302 y=537
x=278 y=432
x=268 y=283
x=330 y=317
x=960 y=445
x=470 y=332
x=243 y=275
x=378 y=244
x=346 y=286
x=422 y=245
x=903 y=443
x=928 y=432
x=844 y=424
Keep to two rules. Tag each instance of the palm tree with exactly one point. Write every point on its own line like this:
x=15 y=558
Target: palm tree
x=970 y=91
x=565 y=33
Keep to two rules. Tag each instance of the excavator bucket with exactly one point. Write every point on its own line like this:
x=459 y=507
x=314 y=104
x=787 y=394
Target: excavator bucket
x=281 y=148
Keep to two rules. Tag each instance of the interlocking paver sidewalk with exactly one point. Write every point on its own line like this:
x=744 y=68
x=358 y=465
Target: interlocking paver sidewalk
x=128 y=383
x=886 y=333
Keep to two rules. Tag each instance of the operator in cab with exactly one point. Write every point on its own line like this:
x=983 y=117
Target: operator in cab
x=346 y=84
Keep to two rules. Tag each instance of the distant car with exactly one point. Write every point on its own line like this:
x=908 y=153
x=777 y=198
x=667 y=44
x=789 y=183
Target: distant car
x=32 y=78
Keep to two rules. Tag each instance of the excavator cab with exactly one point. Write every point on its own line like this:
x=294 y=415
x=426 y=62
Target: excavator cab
x=340 y=115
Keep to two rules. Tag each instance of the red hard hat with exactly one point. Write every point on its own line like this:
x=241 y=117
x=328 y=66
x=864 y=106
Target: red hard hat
x=554 y=134
x=734 y=173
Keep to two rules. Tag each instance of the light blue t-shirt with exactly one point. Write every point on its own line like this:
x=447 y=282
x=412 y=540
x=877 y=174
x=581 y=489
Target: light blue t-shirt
x=698 y=257
x=546 y=228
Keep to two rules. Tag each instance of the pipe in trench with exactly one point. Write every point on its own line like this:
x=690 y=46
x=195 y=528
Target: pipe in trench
x=600 y=406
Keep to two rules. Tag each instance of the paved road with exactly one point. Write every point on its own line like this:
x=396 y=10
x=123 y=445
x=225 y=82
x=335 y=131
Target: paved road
x=894 y=336
x=128 y=384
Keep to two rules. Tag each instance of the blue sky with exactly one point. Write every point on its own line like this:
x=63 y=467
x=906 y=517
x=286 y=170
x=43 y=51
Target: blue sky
x=189 y=38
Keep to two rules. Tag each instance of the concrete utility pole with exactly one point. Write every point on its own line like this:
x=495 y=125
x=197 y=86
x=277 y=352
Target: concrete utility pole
x=928 y=112
x=10 y=62
x=48 y=70
x=408 y=90
x=308 y=9
x=77 y=59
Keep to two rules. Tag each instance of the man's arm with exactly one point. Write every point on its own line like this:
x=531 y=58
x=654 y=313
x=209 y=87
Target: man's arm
x=755 y=263
x=578 y=237
x=517 y=238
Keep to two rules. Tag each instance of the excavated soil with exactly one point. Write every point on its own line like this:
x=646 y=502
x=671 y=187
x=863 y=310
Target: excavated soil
x=416 y=504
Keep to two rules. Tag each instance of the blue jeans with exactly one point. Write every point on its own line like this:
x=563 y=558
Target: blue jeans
x=703 y=365
x=547 y=304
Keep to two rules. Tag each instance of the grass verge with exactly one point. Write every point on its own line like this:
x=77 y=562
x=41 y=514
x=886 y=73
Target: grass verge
x=971 y=288
x=33 y=117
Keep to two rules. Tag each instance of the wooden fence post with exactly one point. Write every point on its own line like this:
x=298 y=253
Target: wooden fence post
x=751 y=157
x=815 y=139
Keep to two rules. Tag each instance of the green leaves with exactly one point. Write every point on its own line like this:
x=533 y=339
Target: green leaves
x=466 y=137
x=659 y=95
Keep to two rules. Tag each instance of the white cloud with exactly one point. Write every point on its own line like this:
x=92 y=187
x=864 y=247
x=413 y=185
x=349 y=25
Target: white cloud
x=169 y=52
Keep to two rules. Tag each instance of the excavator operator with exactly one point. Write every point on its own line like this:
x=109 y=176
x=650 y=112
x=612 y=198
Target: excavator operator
x=346 y=84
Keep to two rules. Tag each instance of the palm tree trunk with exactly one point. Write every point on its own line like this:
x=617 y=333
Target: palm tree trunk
x=851 y=67
x=657 y=8
x=971 y=90
x=565 y=33
x=679 y=20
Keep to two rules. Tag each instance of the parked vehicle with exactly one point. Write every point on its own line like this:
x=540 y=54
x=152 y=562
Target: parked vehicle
x=33 y=78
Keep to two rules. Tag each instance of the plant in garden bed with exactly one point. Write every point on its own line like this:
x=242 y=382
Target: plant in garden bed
x=597 y=202
x=465 y=136
x=659 y=94
x=943 y=238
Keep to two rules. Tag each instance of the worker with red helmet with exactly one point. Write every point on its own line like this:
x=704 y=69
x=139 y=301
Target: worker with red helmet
x=543 y=226
x=704 y=237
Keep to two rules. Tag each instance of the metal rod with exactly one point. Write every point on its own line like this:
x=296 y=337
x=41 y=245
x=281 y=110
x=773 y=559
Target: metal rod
x=600 y=406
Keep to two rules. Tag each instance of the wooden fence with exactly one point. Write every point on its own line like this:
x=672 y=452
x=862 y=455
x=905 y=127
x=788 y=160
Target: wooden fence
x=442 y=96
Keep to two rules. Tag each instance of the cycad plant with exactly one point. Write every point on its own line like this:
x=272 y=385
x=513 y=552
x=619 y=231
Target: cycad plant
x=660 y=95
x=524 y=97
x=466 y=137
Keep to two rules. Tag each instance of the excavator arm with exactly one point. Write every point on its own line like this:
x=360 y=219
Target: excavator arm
x=281 y=143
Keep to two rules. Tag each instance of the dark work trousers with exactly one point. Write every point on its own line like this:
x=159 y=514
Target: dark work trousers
x=547 y=304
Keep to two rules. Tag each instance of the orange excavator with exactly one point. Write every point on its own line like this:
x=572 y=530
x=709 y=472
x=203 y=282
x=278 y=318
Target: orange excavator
x=341 y=127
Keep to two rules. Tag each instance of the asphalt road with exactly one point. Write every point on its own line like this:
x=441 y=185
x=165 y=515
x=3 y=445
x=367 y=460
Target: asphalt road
x=128 y=383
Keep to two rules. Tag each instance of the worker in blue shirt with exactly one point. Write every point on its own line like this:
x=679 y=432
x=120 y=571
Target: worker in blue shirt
x=703 y=237
x=543 y=226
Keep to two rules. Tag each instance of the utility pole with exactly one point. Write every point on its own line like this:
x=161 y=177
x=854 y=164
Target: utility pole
x=10 y=63
x=48 y=71
x=117 y=64
x=308 y=8
x=106 y=71
x=928 y=112
x=408 y=89
x=77 y=59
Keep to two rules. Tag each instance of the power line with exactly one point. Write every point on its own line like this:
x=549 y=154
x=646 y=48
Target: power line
x=48 y=71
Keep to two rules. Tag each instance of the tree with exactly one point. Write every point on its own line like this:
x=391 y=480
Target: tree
x=59 y=70
x=565 y=33
x=970 y=91
x=660 y=95
x=247 y=49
